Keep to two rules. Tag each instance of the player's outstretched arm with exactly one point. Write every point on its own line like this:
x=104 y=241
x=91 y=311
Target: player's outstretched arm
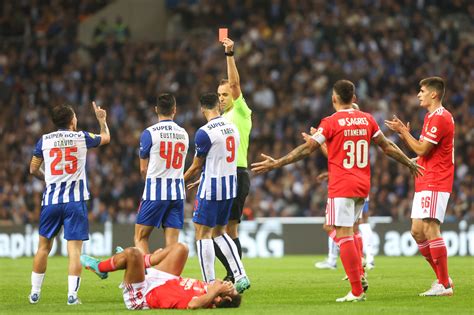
x=194 y=169
x=101 y=115
x=232 y=73
x=420 y=148
x=215 y=289
x=296 y=154
x=392 y=150
x=35 y=168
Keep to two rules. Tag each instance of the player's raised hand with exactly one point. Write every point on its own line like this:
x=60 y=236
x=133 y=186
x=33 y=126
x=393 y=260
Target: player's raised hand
x=100 y=113
x=266 y=165
x=228 y=44
x=396 y=125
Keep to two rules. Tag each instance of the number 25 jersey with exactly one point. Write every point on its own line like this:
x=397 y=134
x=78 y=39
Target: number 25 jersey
x=64 y=153
x=348 y=134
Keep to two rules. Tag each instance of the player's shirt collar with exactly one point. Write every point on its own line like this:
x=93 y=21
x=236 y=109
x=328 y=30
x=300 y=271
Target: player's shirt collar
x=346 y=110
x=436 y=111
x=165 y=120
x=215 y=118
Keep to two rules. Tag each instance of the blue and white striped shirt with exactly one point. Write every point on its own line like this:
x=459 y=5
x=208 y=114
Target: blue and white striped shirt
x=64 y=153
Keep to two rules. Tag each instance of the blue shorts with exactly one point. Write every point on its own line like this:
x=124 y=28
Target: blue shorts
x=166 y=213
x=212 y=212
x=73 y=215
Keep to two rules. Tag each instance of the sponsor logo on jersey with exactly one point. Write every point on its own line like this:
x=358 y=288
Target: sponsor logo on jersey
x=433 y=129
x=353 y=121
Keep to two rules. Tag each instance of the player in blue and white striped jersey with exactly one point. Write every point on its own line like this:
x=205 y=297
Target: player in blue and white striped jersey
x=216 y=148
x=163 y=149
x=63 y=153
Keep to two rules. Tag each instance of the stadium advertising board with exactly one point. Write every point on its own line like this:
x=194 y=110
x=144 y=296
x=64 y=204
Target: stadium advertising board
x=260 y=238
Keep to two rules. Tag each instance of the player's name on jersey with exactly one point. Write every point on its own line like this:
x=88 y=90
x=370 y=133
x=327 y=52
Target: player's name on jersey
x=172 y=135
x=355 y=132
x=227 y=131
x=64 y=143
x=71 y=134
x=353 y=121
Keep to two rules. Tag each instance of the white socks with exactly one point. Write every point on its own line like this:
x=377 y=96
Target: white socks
x=36 y=282
x=333 y=252
x=229 y=249
x=73 y=284
x=206 y=255
x=366 y=232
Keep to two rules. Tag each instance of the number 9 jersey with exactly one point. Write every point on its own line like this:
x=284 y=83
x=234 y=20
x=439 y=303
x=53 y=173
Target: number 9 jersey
x=64 y=154
x=218 y=141
x=347 y=134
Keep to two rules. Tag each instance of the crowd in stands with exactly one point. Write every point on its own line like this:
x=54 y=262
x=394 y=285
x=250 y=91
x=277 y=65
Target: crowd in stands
x=289 y=53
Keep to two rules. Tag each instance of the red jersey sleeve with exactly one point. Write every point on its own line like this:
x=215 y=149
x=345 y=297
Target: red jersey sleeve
x=374 y=127
x=324 y=131
x=435 y=129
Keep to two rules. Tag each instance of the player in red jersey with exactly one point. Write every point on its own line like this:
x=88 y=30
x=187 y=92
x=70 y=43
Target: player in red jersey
x=435 y=150
x=162 y=287
x=347 y=133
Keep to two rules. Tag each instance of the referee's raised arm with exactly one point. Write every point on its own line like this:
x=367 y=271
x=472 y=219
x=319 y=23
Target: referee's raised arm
x=235 y=109
x=232 y=73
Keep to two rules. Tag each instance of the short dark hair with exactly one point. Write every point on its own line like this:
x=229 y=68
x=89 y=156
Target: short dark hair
x=236 y=300
x=62 y=116
x=345 y=89
x=165 y=104
x=434 y=83
x=209 y=100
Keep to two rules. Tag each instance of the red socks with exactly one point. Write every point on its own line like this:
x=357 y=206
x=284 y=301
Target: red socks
x=351 y=261
x=107 y=265
x=360 y=249
x=146 y=259
x=439 y=255
x=424 y=248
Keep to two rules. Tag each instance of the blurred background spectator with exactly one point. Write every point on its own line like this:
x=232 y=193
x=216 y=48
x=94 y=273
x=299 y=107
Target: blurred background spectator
x=289 y=53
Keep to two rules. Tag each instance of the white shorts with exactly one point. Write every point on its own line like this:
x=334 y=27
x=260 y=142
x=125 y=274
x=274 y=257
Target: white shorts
x=430 y=204
x=343 y=211
x=134 y=294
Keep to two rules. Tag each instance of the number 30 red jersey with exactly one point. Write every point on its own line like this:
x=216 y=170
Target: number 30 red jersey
x=438 y=128
x=347 y=134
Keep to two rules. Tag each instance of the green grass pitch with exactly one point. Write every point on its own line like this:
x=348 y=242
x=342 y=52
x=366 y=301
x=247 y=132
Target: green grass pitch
x=290 y=285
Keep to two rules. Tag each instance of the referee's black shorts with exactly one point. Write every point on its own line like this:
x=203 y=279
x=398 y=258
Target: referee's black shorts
x=243 y=187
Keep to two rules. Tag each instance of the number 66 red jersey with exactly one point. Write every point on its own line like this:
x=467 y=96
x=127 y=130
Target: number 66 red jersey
x=347 y=134
x=64 y=154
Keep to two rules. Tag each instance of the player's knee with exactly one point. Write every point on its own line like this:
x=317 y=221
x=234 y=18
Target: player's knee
x=417 y=234
x=133 y=253
x=181 y=248
x=328 y=228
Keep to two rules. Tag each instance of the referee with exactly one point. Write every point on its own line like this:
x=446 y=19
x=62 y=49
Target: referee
x=235 y=109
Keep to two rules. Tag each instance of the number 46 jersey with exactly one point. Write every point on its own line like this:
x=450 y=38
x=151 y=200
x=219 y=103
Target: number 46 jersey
x=64 y=154
x=165 y=144
x=347 y=134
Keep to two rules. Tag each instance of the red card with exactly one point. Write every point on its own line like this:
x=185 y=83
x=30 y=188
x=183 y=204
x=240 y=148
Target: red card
x=223 y=33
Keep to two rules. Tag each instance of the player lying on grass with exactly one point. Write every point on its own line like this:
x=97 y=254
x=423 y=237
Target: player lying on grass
x=162 y=287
